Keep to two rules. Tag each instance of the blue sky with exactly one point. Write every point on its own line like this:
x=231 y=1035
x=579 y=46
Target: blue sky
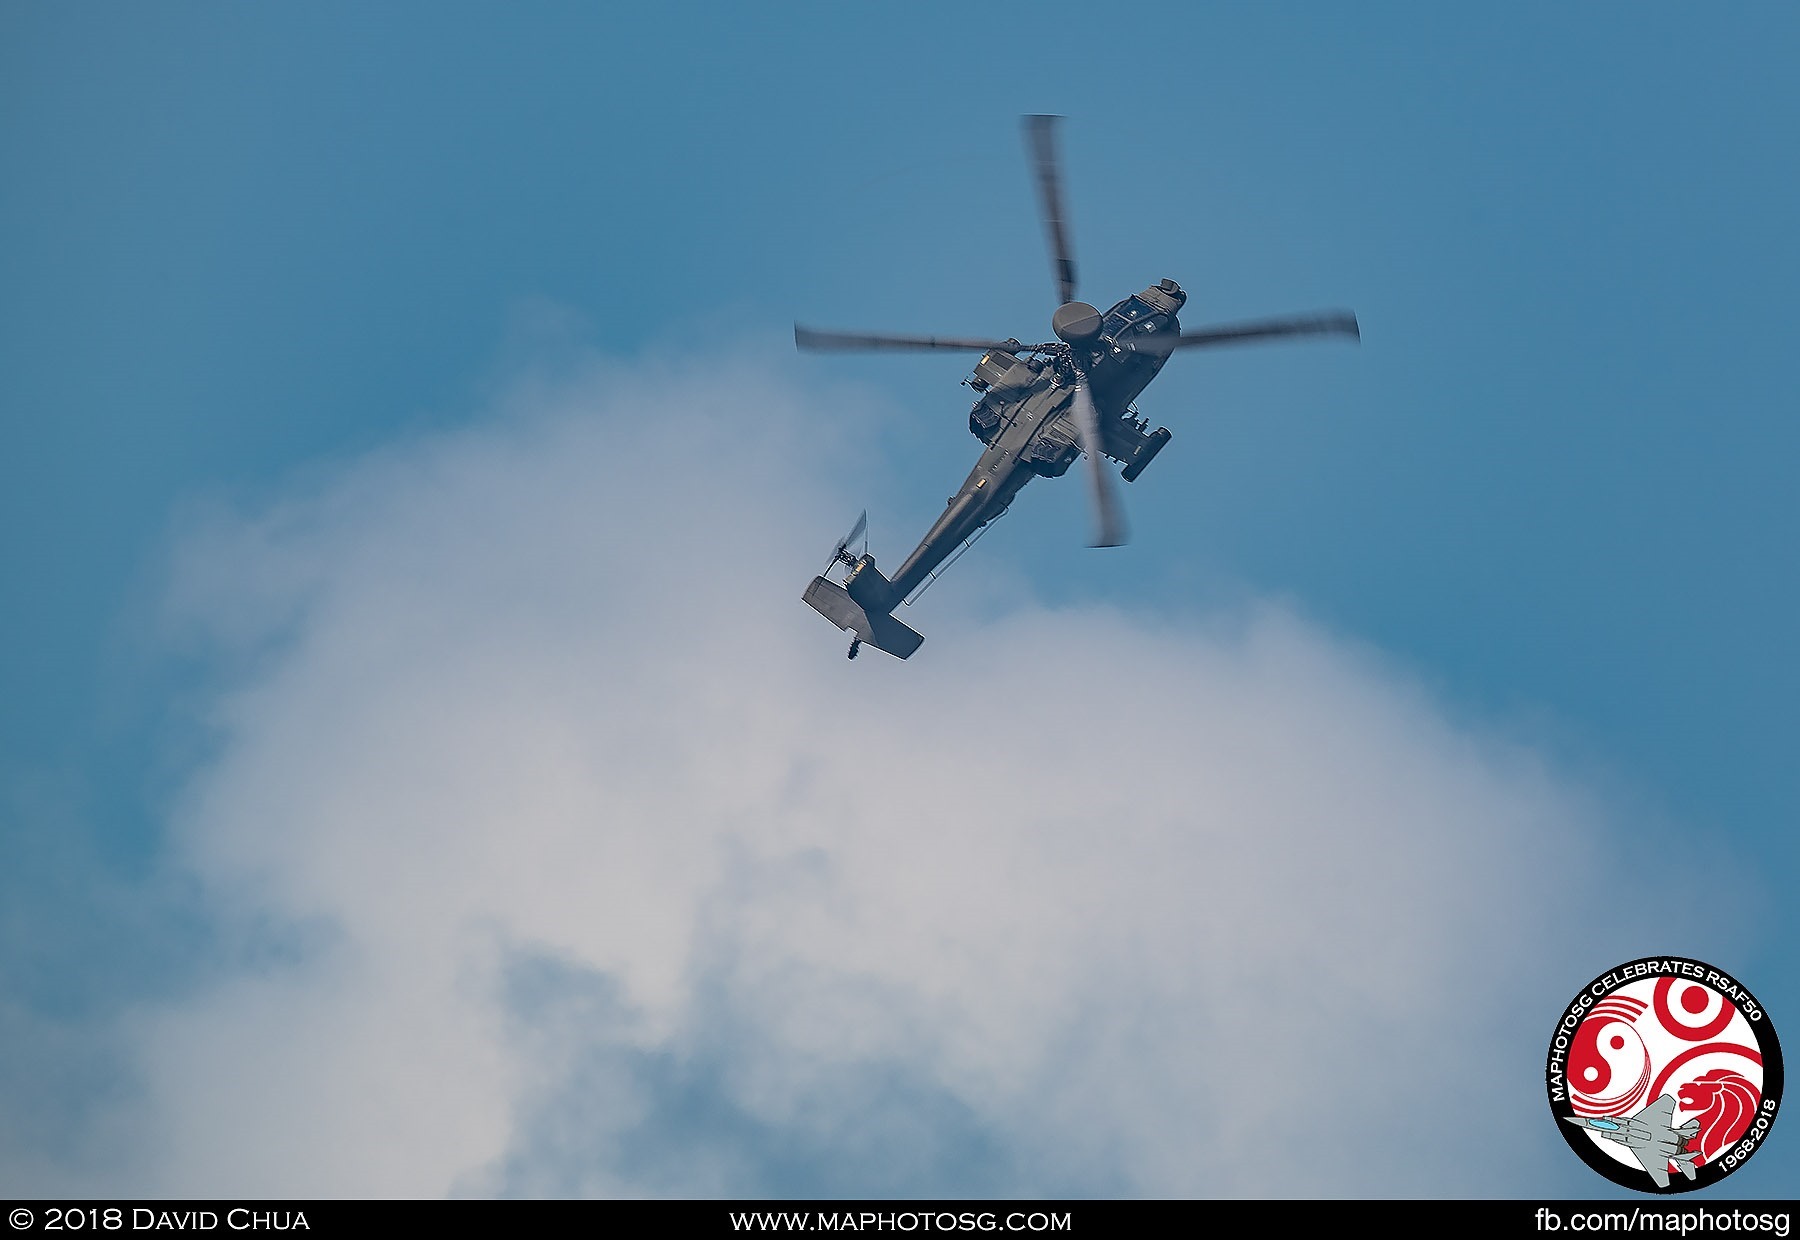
x=258 y=261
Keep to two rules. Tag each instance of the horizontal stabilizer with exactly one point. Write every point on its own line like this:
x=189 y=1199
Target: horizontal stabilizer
x=880 y=631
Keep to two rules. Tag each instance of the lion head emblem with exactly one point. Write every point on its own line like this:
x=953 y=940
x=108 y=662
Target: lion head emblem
x=1726 y=1102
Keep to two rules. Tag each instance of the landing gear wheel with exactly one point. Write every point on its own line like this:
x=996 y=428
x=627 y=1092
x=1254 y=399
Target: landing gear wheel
x=855 y=645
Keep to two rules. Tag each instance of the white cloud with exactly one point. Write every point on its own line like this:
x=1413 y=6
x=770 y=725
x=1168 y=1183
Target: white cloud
x=563 y=852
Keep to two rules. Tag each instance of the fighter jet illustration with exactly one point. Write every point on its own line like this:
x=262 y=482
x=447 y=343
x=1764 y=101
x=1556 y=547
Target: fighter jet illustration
x=1649 y=1137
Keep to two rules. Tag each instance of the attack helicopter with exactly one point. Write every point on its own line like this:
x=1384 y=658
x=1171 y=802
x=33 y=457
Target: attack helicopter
x=1038 y=407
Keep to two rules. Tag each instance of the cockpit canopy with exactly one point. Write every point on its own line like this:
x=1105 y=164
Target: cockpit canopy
x=1144 y=313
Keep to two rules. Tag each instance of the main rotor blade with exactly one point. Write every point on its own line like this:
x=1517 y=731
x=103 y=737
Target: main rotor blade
x=1331 y=323
x=849 y=342
x=1040 y=133
x=1107 y=511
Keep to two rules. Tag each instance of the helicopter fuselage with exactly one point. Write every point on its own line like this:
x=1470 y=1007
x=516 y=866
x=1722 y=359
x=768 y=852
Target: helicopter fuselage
x=1024 y=417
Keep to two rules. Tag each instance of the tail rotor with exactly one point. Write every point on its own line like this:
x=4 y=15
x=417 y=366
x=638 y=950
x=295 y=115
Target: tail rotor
x=840 y=554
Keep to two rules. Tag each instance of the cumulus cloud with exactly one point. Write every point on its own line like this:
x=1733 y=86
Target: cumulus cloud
x=558 y=850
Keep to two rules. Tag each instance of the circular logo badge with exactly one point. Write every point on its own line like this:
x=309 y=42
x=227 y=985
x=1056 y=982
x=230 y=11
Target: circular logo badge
x=1664 y=1075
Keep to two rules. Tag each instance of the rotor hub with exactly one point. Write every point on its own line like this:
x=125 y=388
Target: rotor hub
x=1076 y=322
